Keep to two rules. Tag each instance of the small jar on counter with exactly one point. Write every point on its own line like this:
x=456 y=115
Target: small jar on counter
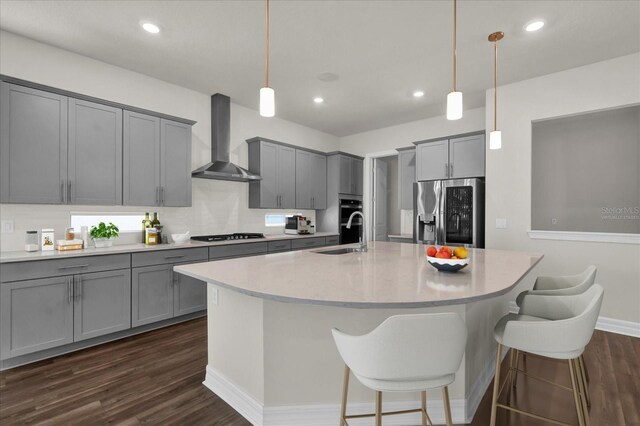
x=151 y=236
x=70 y=234
x=31 y=242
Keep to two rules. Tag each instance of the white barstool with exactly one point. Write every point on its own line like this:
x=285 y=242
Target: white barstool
x=406 y=353
x=558 y=327
x=560 y=286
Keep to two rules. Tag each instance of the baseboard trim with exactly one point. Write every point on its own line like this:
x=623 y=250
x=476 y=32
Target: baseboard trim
x=610 y=325
x=322 y=414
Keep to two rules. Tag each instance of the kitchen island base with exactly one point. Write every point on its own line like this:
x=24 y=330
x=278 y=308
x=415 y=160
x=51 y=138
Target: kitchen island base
x=276 y=362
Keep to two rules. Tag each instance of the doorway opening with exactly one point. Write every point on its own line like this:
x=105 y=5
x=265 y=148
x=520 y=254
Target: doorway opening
x=387 y=216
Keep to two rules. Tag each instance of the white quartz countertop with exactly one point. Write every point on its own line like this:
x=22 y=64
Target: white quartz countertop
x=22 y=256
x=389 y=275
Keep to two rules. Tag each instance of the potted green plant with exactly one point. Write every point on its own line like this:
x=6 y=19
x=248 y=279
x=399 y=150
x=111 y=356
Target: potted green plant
x=103 y=235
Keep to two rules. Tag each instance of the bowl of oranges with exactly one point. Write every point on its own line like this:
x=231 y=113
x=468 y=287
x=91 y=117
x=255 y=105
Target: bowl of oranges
x=447 y=259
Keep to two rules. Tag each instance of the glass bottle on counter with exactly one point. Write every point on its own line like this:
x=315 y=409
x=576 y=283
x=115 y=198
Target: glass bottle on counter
x=155 y=222
x=146 y=223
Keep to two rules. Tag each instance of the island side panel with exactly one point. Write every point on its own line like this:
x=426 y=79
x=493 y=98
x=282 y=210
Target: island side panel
x=235 y=340
x=302 y=363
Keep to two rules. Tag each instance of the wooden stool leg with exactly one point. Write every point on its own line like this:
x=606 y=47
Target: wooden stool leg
x=378 y=408
x=496 y=386
x=345 y=391
x=576 y=395
x=423 y=397
x=447 y=406
x=584 y=368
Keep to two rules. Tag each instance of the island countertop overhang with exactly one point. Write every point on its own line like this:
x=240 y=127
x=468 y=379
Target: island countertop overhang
x=389 y=275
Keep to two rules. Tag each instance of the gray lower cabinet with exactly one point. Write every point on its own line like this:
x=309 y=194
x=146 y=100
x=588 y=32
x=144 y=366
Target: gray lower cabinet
x=35 y=315
x=102 y=303
x=406 y=177
x=95 y=154
x=276 y=164
x=189 y=295
x=33 y=146
x=151 y=294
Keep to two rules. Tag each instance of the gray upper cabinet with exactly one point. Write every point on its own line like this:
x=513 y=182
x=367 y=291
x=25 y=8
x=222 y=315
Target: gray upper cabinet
x=276 y=164
x=33 y=146
x=35 y=315
x=351 y=175
x=95 y=154
x=432 y=160
x=452 y=158
x=141 y=178
x=175 y=167
x=102 y=303
x=466 y=155
x=311 y=180
x=406 y=177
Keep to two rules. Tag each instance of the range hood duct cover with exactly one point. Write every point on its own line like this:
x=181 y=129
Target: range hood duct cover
x=220 y=167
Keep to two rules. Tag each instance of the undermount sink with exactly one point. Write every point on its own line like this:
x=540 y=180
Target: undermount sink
x=339 y=251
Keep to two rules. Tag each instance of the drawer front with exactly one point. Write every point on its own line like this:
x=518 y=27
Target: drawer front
x=20 y=271
x=162 y=257
x=237 y=250
x=333 y=240
x=275 y=246
x=307 y=243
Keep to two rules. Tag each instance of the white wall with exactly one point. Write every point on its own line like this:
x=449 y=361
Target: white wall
x=403 y=135
x=598 y=86
x=217 y=206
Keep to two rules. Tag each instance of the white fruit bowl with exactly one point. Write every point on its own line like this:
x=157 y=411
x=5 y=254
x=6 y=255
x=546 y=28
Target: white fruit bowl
x=447 y=265
x=181 y=238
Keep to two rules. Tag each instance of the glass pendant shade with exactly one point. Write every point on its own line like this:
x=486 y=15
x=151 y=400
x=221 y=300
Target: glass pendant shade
x=454 y=106
x=495 y=139
x=267 y=102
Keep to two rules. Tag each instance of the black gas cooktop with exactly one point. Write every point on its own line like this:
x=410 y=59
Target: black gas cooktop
x=228 y=237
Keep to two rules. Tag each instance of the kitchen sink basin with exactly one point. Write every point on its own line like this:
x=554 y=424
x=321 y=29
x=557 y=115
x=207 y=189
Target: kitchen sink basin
x=339 y=251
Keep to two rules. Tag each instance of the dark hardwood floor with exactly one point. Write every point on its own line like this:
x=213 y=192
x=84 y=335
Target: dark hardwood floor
x=156 y=378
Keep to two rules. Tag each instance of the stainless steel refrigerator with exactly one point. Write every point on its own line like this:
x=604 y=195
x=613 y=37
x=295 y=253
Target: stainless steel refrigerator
x=449 y=212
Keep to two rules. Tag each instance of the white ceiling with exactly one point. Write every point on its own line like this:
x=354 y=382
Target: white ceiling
x=382 y=50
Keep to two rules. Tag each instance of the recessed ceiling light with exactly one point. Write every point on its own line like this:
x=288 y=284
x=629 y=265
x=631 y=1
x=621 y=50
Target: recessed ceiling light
x=150 y=28
x=418 y=94
x=534 y=26
x=318 y=100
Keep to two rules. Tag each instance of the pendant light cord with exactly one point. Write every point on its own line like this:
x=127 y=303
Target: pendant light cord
x=266 y=80
x=495 y=85
x=455 y=20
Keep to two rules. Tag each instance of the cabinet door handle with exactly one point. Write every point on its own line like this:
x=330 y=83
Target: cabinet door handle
x=162 y=195
x=78 y=289
x=69 y=289
x=156 y=202
x=446 y=170
x=74 y=266
x=62 y=191
x=178 y=256
x=451 y=166
x=69 y=191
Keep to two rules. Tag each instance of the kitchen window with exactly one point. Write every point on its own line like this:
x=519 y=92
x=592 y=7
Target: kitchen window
x=126 y=222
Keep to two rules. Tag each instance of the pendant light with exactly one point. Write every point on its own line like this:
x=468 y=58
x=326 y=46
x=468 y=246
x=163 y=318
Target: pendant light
x=495 y=137
x=267 y=95
x=454 y=99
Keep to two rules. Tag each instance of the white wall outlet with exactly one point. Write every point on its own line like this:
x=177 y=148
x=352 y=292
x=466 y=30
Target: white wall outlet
x=554 y=221
x=501 y=223
x=7 y=226
x=214 y=295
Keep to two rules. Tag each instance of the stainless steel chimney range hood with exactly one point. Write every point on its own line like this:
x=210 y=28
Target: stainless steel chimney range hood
x=220 y=168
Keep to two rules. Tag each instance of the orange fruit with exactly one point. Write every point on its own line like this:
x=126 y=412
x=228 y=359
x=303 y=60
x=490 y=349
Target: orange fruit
x=443 y=255
x=431 y=251
x=447 y=249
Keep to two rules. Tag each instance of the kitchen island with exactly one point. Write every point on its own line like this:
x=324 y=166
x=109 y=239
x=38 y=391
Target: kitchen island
x=271 y=354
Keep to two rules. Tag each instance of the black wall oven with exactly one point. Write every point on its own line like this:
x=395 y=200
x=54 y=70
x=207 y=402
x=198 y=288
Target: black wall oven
x=353 y=235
